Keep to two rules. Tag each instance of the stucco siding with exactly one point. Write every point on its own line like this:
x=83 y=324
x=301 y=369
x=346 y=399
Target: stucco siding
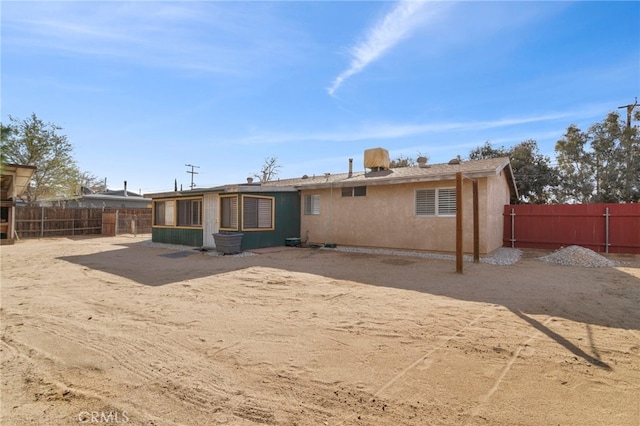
x=386 y=217
x=498 y=194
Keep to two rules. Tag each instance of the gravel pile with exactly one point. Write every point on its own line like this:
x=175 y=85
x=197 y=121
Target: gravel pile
x=578 y=256
x=502 y=256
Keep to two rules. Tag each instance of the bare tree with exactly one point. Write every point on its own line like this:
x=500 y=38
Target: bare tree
x=269 y=170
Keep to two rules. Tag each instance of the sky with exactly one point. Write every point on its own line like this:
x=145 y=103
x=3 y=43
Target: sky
x=143 y=88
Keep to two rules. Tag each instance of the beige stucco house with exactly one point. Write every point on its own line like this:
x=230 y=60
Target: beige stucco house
x=404 y=208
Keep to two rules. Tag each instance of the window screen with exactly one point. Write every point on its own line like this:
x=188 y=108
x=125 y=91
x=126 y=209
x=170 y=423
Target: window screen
x=257 y=212
x=436 y=202
x=189 y=212
x=229 y=212
x=312 y=204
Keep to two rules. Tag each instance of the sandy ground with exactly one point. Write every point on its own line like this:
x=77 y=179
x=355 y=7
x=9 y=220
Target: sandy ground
x=106 y=330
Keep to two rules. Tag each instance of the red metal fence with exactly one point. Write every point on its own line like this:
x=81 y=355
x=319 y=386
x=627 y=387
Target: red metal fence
x=605 y=228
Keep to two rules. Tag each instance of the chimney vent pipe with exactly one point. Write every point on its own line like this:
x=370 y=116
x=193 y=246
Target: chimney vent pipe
x=350 y=167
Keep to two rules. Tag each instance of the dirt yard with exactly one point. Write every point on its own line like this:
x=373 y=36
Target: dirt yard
x=107 y=330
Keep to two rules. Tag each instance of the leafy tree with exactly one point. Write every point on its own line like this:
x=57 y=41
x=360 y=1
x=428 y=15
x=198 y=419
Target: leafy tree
x=269 y=171
x=630 y=144
x=488 y=151
x=533 y=173
x=31 y=142
x=606 y=158
x=600 y=165
x=616 y=153
x=575 y=167
x=5 y=134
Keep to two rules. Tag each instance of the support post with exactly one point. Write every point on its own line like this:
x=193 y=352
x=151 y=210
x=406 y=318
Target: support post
x=459 y=224
x=476 y=224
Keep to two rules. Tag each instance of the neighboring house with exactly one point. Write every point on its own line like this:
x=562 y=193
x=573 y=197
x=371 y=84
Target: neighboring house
x=266 y=216
x=109 y=198
x=404 y=208
x=13 y=182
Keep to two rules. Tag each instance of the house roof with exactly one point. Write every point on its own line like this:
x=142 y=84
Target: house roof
x=434 y=172
x=232 y=188
x=114 y=193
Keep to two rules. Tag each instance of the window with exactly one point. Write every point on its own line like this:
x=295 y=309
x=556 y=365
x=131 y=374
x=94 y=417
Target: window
x=447 y=202
x=163 y=213
x=312 y=204
x=158 y=213
x=436 y=202
x=257 y=212
x=229 y=213
x=354 y=191
x=189 y=212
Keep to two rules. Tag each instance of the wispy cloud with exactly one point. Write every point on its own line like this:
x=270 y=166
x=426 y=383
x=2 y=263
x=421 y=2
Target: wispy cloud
x=385 y=34
x=201 y=36
x=397 y=131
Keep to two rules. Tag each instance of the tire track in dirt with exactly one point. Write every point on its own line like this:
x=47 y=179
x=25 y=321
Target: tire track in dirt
x=422 y=359
x=484 y=399
x=162 y=374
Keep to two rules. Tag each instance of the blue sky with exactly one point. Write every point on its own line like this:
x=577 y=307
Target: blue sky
x=143 y=88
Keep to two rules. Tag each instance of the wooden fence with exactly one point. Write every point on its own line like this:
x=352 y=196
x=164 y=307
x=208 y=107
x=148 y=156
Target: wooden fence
x=41 y=222
x=604 y=228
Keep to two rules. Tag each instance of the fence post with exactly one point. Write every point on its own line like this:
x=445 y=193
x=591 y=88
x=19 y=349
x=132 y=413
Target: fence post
x=117 y=217
x=606 y=230
x=134 y=225
x=42 y=223
x=513 y=219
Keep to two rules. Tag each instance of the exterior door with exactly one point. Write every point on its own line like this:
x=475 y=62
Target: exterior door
x=210 y=216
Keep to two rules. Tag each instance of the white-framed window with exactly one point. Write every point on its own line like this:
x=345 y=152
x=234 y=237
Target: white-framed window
x=257 y=212
x=311 y=204
x=229 y=213
x=436 y=202
x=354 y=191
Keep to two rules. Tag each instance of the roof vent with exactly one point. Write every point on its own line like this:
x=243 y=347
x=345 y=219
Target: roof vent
x=422 y=162
x=455 y=161
x=376 y=159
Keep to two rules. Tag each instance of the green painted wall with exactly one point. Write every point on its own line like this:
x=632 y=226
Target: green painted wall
x=287 y=225
x=287 y=206
x=185 y=237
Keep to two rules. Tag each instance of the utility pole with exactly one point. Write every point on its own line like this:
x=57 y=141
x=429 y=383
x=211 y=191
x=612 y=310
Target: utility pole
x=630 y=111
x=192 y=173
